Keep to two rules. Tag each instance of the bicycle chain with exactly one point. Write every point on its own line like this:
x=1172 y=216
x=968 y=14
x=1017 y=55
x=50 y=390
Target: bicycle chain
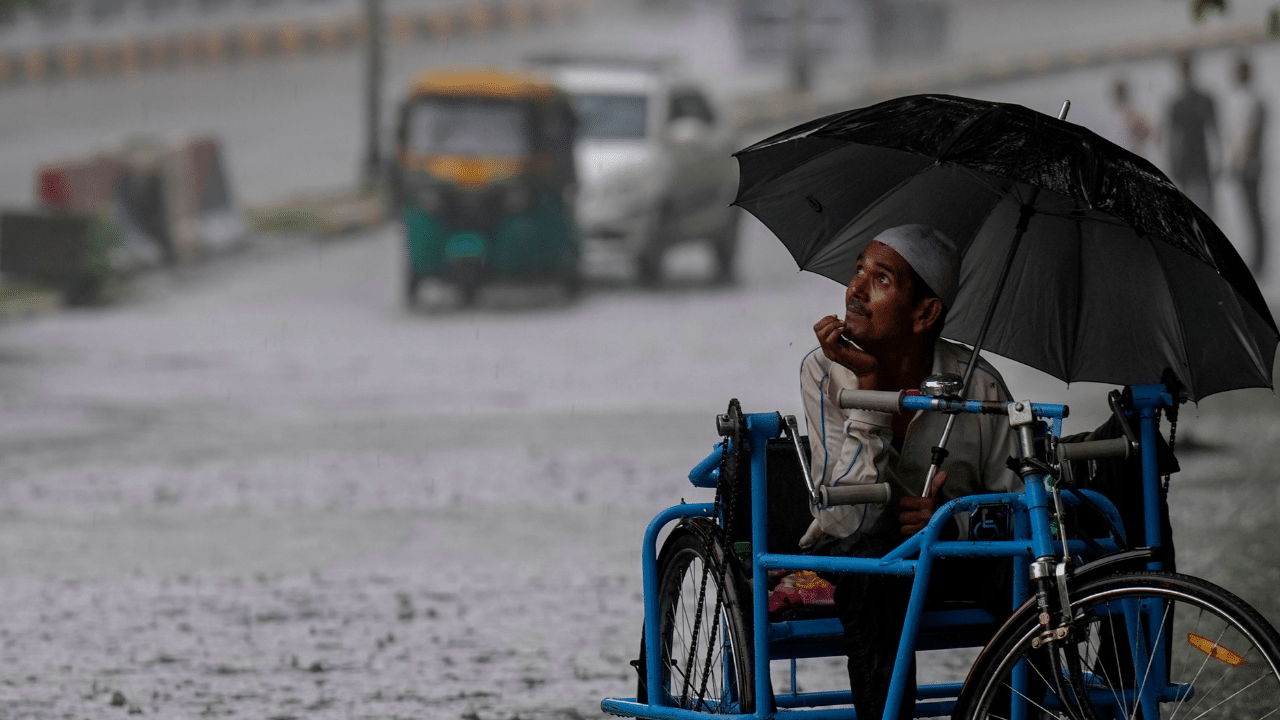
x=729 y=472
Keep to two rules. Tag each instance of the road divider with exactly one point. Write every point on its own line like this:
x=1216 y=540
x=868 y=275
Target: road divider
x=151 y=53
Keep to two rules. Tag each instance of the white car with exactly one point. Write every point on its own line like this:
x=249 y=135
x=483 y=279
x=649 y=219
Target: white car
x=654 y=162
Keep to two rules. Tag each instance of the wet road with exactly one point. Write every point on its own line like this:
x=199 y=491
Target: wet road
x=262 y=488
x=265 y=489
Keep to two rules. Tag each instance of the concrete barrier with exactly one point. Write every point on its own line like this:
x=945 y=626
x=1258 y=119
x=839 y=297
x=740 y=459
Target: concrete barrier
x=150 y=53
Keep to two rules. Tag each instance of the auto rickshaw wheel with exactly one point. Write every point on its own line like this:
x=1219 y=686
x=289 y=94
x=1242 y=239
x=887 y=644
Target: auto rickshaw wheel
x=726 y=252
x=661 y=235
x=411 y=282
x=468 y=292
x=649 y=266
x=572 y=284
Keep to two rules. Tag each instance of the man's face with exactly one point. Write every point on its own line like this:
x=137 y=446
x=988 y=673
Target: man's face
x=878 y=307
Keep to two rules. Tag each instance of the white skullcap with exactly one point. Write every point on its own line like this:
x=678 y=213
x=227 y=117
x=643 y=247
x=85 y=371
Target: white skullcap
x=931 y=254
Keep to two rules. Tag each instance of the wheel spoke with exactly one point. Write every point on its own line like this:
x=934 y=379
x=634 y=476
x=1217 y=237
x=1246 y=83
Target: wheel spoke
x=702 y=633
x=1151 y=656
x=1146 y=615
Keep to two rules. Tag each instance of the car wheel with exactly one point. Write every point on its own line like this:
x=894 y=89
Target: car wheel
x=726 y=251
x=649 y=258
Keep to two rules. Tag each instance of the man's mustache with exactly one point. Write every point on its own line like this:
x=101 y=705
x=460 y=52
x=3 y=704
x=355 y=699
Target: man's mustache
x=857 y=307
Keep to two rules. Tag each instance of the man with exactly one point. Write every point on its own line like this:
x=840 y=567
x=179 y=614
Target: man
x=1246 y=161
x=906 y=280
x=1192 y=120
x=1136 y=128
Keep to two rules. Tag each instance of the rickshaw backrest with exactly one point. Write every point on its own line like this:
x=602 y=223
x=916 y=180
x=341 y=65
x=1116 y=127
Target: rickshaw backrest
x=788 y=500
x=1120 y=481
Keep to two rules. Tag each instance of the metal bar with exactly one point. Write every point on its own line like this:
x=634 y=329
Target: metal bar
x=631 y=708
x=649 y=570
x=821 y=563
x=1147 y=400
x=794 y=431
x=760 y=429
x=910 y=630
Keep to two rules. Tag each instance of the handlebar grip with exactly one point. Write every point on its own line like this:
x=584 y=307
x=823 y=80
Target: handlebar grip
x=877 y=400
x=1094 y=449
x=854 y=494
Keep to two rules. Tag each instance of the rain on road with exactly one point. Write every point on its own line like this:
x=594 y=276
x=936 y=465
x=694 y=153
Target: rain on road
x=262 y=488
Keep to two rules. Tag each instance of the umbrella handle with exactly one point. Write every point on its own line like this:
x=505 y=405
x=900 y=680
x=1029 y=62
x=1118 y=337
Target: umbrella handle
x=939 y=454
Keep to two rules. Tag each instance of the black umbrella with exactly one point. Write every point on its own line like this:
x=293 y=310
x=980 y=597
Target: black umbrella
x=1117 y=277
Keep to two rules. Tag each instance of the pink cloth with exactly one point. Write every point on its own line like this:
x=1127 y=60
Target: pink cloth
x=802 y=589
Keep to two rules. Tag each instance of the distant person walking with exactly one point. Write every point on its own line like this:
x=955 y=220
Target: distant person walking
x=1136 y=129
x=1245 y=161
x=1193 y=138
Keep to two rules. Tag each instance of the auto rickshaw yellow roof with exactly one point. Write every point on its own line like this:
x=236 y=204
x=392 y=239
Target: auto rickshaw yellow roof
x=482 y=81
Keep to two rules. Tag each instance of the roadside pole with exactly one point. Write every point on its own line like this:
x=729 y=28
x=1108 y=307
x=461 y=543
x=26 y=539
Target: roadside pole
x=799 y=56
x=375 y=32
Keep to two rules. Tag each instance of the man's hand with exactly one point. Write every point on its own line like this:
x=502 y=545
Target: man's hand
x=914 y=512
x=840 y=350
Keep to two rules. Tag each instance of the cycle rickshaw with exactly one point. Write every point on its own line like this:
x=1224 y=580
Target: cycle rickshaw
x=1100 y=628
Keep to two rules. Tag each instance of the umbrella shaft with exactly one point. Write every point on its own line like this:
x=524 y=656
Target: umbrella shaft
x=1024 y=219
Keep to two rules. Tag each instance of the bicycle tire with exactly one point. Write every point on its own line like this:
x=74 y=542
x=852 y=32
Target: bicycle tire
x=1222 y=657
x=729 y=687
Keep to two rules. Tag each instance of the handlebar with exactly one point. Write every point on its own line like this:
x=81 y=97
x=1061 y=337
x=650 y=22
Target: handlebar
x=893 y=402
x=854 y=494
x=1094 y=449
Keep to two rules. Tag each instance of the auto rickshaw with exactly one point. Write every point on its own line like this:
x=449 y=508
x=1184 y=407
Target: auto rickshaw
x=484 y=181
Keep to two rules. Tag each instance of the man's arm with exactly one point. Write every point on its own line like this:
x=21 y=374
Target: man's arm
x=848 y=447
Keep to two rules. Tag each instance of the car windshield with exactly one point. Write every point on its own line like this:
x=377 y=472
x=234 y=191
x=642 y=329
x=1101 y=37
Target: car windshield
x=611 y=116
x=482 y=127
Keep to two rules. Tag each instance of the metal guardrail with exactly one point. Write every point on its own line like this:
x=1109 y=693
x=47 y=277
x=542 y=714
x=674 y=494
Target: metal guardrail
x=149 y=53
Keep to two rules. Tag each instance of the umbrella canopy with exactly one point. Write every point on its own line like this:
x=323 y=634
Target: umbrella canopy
x=1117 y=278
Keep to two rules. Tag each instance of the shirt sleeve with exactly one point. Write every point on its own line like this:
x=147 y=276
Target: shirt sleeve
x=865 y=449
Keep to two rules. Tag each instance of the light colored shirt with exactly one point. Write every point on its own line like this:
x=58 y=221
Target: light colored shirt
x=1247 y=147
x=851 y=447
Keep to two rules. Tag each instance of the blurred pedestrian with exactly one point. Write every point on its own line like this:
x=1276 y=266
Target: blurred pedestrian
x=1136 y=128
x=1245 y=161
x=1192 y=124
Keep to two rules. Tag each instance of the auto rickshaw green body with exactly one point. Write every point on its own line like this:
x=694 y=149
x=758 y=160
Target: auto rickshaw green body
x=484 y=181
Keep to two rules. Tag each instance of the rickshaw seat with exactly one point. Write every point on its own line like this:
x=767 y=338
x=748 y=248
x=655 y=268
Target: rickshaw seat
x=818 y=632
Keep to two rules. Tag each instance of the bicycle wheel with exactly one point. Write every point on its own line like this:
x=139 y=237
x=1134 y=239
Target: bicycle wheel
x=1144 y=645
x=706 y=660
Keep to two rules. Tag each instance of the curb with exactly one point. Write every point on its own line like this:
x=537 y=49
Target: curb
x=23 y=302
x=327 y=215
x=768 y=110
x=249 y=42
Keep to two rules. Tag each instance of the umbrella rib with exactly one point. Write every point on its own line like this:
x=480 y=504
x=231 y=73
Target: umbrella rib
x=797 y=164
x=996 y=196
x=1256 y=355
x=1182 y=336
x=1074 y=336
x=838 y=235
